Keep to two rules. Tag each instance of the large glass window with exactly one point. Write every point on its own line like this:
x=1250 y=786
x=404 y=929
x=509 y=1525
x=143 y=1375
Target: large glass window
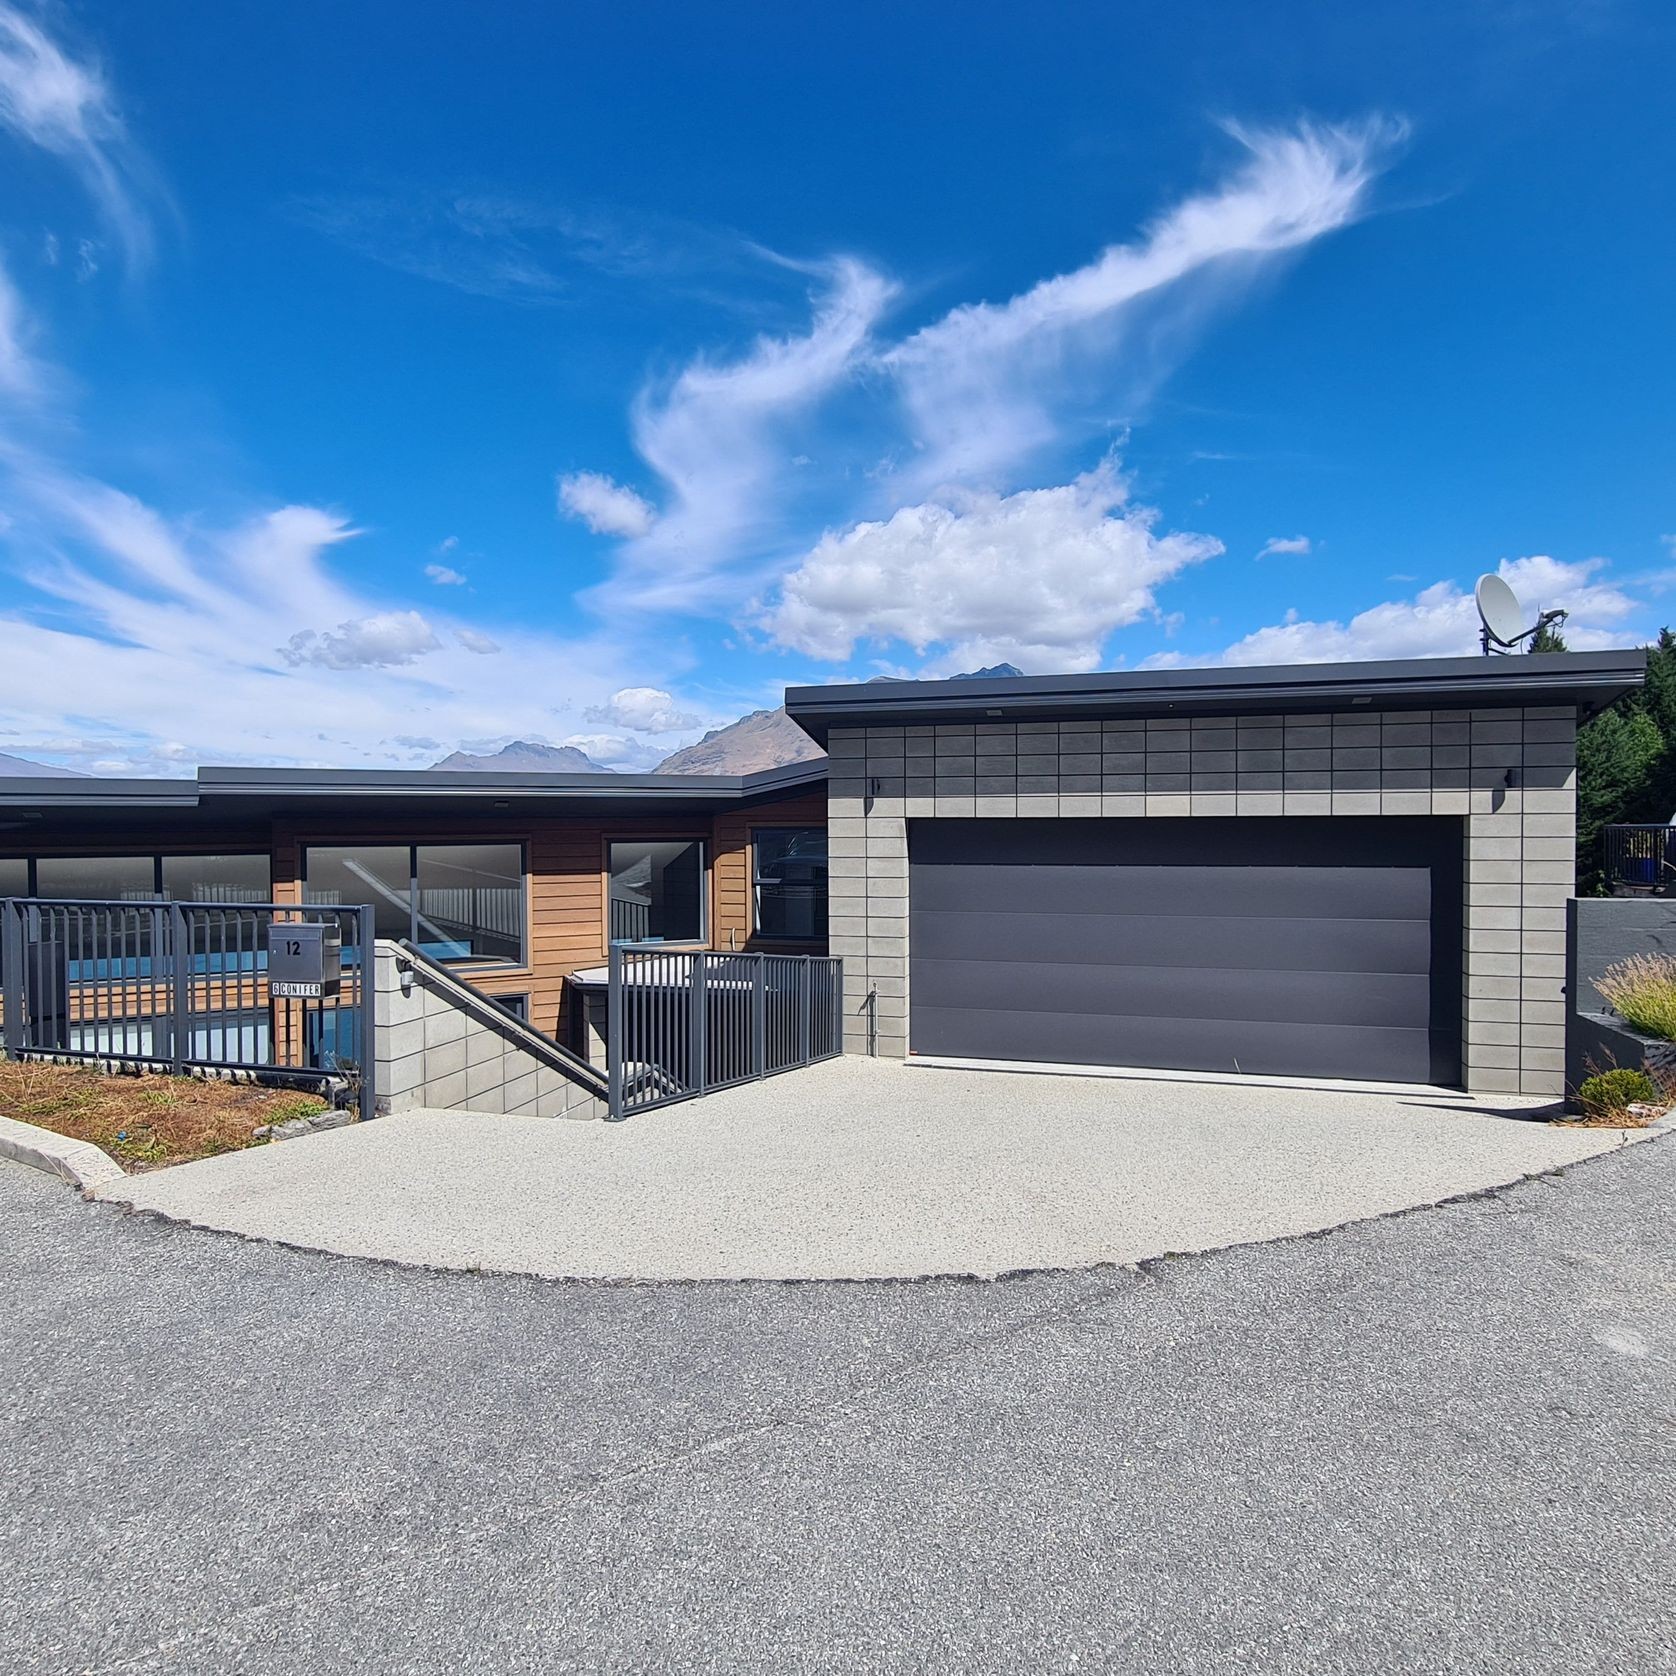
x=471 y=901
x=657 y=890
x=98 y=878
x=14 y=877
x=379 y=874
x=217 y=878
x=790 y=864
x=454 y=901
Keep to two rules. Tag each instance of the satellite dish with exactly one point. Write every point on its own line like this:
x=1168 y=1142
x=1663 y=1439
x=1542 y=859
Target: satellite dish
x=1503 y=616
x=1499 y=609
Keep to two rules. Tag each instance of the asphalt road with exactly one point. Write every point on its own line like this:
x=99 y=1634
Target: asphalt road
x=1442 y=1442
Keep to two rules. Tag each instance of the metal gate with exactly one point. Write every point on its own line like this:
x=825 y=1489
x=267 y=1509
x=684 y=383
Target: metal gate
x=179 y=986
x=681 y=1025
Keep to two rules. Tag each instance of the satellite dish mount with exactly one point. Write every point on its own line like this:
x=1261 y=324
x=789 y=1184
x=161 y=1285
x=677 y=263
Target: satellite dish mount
x=1501 y=614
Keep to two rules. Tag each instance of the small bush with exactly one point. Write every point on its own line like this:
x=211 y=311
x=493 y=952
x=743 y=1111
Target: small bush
x=1642 y=991
x=1611 y=1092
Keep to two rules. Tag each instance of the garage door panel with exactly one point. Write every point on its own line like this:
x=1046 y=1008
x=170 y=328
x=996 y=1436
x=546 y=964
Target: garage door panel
x=1175 y=940
x=1285 y=946
x=1227 y=892
x=1263 y=1048
x=1204 y=992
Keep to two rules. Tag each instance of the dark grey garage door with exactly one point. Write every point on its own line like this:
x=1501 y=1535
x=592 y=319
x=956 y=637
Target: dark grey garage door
x=1282 y=947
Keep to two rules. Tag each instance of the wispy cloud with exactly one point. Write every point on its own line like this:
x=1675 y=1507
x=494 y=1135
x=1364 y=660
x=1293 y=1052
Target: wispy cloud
x=714 y=438
x=966 y=406
x=63 y=105
x=1296 y=545
x=445 y=576
x=979 y=383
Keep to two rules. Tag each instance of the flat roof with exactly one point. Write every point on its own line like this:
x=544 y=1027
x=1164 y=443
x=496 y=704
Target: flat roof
x=1588 y=681
x=244 y=794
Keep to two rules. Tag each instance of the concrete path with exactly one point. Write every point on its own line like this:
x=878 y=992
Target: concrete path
x=1430 y=1444
x=859 y=1169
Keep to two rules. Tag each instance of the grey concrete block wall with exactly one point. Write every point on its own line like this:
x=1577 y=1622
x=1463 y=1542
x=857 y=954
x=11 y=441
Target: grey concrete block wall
x=431 y=1051
x=1519 y=839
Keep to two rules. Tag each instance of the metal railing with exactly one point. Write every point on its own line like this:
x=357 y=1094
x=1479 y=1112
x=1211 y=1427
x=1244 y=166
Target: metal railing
x=680 y=1025
x=180 y=986
x=1640 y=860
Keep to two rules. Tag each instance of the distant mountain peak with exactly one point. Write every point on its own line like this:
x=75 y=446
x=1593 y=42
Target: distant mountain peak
x=995 y=672
x=18 y=768
x=523 y=756
x=763 y=739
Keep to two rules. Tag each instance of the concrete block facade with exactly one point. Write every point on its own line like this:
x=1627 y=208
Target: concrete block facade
x=432 y=1051
x=1509 y=775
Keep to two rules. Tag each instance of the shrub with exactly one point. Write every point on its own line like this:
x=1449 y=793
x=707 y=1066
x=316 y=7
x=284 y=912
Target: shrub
x=1642 y=991
x=1609 y=1092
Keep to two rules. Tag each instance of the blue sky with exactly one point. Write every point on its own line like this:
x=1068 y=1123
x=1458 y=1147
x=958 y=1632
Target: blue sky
x=380 y=379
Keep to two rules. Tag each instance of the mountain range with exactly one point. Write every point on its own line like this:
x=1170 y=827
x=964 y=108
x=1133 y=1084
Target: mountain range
x=21 y=767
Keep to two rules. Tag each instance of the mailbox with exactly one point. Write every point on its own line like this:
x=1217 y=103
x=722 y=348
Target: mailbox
x=305 y=960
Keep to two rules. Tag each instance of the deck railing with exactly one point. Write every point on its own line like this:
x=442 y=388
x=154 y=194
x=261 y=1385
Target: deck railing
x=1640 y=860
x=179 y=986
x=684 y=1024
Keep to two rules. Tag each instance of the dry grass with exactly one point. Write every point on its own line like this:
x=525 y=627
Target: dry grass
x=1642 y=991
x=145 y=1121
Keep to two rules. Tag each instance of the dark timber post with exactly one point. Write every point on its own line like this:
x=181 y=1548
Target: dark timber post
x=367 y=1045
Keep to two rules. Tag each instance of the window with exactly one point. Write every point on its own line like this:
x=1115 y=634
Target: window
x=790 y=881
x=217 y=878
x=381 y=875
x=14 y=877
x=471 y=901
x=98 y=878
x=453 y=901
x=657 y=890
x=517 y=1005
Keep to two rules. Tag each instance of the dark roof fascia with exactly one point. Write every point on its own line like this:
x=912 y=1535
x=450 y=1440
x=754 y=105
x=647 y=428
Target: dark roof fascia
x=51 y=792
x=1587 y=680
x=278 y=788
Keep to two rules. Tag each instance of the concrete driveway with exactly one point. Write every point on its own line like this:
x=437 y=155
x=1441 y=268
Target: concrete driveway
x=860 y=1169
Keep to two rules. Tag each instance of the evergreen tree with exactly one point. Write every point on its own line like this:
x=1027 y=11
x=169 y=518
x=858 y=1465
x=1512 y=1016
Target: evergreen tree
x=1547 y=639
x=1626 y=763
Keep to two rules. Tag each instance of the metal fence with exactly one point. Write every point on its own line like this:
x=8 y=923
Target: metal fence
x=681 y=1025
x=1640 y=860
x=181 y=986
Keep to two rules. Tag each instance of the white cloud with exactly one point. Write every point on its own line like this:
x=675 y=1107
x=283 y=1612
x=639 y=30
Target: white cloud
x=20 y=376
x=65 y=107
x=384 y=641
x=642 y=710
x=982 y=392
x=473 y=641
x=445 y=576
x=1298 y=544
x=978 y=383
x=714 y=437
x=1442 y=621
x=607 y=508
x=1039 y=578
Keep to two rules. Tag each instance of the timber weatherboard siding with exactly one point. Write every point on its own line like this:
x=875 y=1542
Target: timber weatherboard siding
x=1519 y=839
x=565 y=857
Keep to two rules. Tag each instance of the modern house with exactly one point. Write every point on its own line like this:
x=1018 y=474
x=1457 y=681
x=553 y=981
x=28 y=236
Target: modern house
x=1351 y=871
x=515 y=880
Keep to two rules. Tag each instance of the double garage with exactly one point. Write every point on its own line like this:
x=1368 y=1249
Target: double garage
x=1324 y=871
x=1315 y=947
